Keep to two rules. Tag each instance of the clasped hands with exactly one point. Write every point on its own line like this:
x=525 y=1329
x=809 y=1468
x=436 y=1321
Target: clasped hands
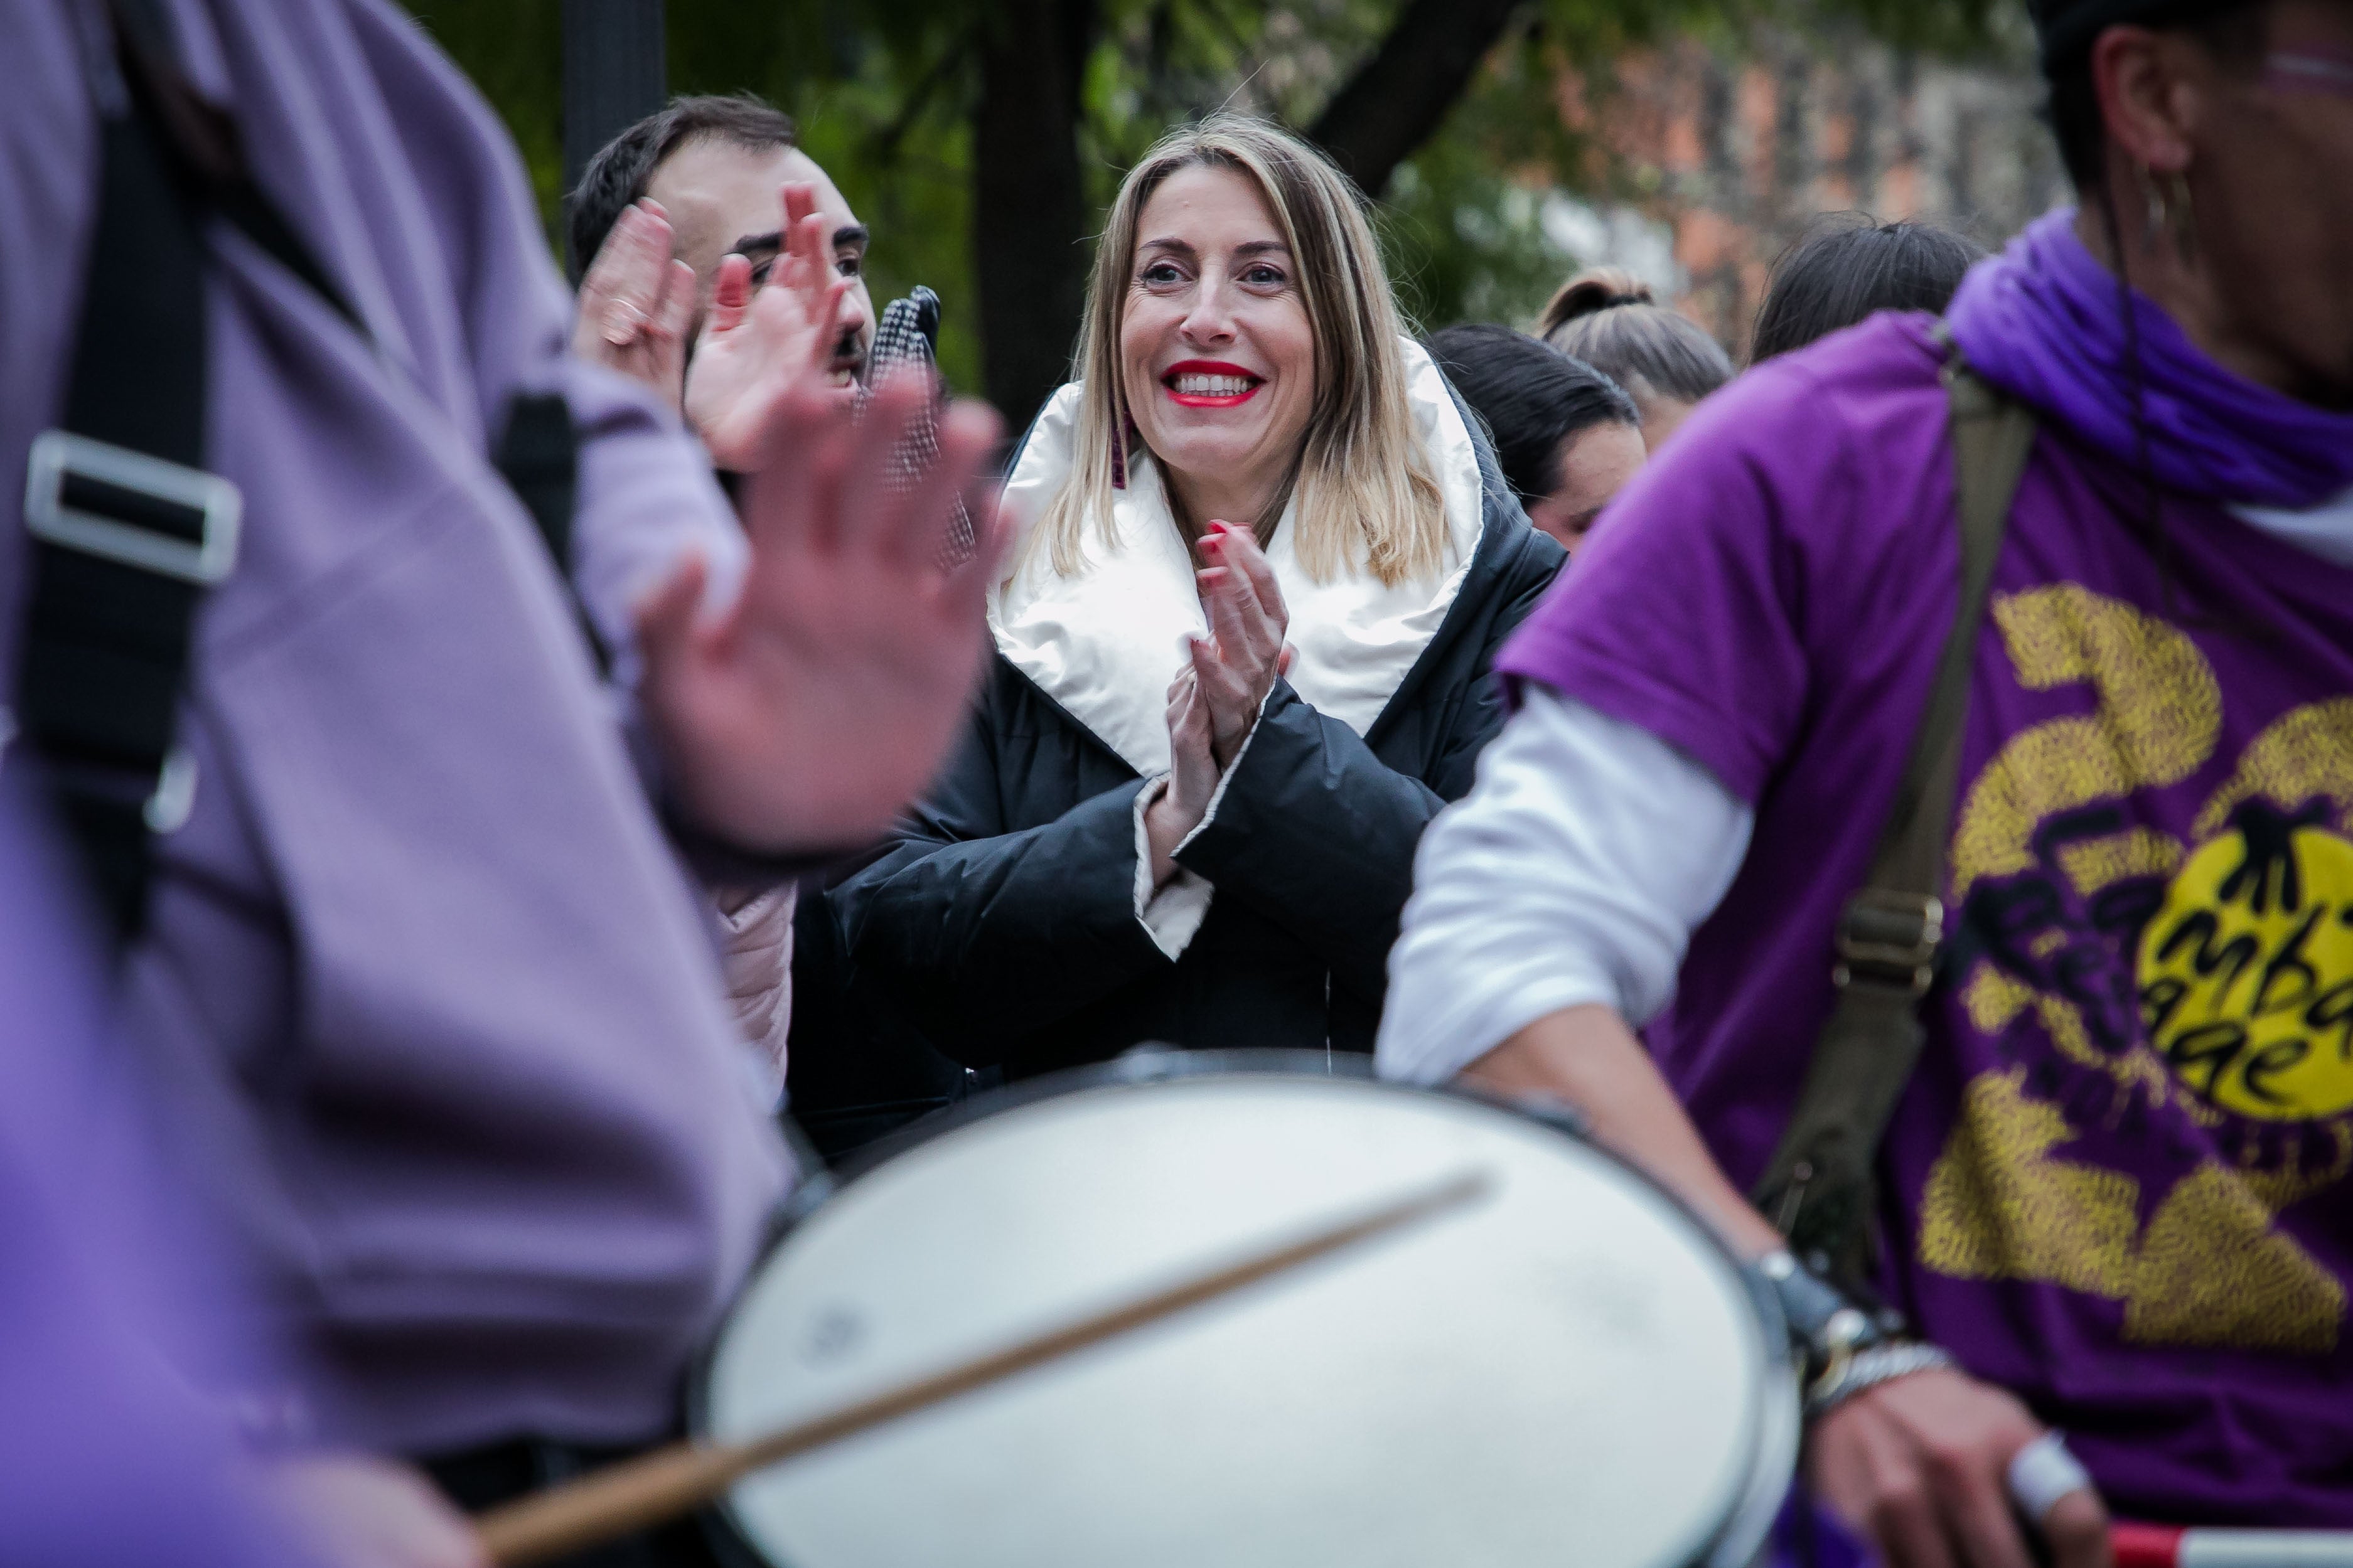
x=804 y=714
x=1214 y=698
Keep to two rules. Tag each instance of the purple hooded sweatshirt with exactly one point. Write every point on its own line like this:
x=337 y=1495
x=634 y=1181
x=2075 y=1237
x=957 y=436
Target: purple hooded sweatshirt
x=421 y=967
x=2118 y=1182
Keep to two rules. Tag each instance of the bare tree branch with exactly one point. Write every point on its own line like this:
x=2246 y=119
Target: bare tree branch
x=1397 y=99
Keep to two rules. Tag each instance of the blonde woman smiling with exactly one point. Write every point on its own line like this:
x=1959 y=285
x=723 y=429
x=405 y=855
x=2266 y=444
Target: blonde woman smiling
x=1242 y=652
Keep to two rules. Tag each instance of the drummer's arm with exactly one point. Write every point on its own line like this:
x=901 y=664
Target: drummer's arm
x=1587 y=1057
x=1555 y=900
x=1549 y=908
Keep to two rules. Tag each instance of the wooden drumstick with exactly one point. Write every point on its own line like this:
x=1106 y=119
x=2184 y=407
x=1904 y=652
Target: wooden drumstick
x=682 y=1478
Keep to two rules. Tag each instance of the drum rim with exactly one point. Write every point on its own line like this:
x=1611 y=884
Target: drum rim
x=1156 y=1063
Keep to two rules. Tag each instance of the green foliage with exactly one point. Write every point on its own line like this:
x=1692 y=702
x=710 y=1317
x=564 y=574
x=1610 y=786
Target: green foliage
x=514 y=50
x=883 y=97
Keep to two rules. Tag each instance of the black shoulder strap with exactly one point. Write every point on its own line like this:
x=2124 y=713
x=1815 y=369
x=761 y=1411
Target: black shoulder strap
x=539 y=457
x=127 y=530
x=1818 y=1190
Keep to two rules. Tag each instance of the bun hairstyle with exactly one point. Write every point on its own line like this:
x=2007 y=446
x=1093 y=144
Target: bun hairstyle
x=1612 y=320
x=1595 y=290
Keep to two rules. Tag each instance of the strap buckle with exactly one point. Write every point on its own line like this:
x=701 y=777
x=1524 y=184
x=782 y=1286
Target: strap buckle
x=1891 y=938
x=132 y=508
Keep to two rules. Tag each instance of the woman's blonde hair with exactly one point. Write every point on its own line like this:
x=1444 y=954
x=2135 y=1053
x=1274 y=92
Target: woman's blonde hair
x=1365 y=490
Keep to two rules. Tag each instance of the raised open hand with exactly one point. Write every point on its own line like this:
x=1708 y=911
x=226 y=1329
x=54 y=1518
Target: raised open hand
x=761 y=345
x=1237 y=666
x=823 y=699
x=635 y=303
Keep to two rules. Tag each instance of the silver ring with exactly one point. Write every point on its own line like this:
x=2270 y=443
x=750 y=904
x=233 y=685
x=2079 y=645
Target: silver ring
x=2042 y=1473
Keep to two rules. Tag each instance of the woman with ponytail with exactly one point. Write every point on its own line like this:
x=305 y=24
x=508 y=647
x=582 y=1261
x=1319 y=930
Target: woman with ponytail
x=1609 y=318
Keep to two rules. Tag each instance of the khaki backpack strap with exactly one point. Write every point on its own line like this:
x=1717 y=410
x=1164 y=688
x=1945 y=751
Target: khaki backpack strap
x=1818 y=1190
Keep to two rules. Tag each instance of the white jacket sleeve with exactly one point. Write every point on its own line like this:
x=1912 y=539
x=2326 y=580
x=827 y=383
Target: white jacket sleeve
x=1574 y=872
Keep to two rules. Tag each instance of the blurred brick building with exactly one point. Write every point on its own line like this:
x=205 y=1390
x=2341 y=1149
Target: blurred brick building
x=1724 y=156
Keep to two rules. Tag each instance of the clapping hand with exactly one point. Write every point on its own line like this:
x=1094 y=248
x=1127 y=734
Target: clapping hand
x=809 y=712
x=635 y=303
x=759 y=345
x=1237 y=665
x=1192 y=776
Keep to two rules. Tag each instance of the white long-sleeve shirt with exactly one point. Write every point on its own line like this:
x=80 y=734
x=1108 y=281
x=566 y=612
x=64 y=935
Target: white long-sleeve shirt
x=1574 y=872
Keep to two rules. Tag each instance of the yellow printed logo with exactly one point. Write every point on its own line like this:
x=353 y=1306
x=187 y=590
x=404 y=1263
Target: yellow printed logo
x=2205 y=973
x=2246 y=971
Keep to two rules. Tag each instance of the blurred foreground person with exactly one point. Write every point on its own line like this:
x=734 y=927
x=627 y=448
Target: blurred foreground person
x=1608 y=318
x=108 y=1457
x=2110 y=873
x=1567 y=436
x=1849 y=269
x=399 y=929
x=1242 y=661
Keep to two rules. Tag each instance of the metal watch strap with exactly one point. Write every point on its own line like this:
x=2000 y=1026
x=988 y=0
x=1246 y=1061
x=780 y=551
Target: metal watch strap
x=1817 y=1189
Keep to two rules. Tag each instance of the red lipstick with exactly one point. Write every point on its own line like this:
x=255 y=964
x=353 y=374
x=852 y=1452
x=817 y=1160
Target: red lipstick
x=1219 y=373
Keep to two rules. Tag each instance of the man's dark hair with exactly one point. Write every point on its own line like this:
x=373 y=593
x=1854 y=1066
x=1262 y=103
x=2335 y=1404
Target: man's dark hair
x=1848 y=267
x=618 y=173
x=1531 y=396
x=2234 y=31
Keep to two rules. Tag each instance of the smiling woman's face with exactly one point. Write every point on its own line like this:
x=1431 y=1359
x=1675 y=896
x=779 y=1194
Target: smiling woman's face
x=1217 y=354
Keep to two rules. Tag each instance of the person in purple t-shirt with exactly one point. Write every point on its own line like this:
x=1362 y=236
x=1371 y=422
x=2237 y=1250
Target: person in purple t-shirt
x=2115 y=1200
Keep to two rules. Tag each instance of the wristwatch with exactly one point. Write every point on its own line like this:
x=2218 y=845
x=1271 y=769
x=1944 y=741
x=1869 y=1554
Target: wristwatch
x=1847 y=1345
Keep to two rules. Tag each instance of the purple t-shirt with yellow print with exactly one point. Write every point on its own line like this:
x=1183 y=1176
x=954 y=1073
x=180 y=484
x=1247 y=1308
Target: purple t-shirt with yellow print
x=2120 y=1180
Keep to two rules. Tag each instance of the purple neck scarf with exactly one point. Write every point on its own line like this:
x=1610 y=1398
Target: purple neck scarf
x=2043 y=322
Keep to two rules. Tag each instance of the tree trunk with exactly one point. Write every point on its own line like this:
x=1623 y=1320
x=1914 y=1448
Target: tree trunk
x=1397 y=100
x=1029 y=201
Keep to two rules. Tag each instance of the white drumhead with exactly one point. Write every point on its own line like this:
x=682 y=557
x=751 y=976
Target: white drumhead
x=1566 y=1372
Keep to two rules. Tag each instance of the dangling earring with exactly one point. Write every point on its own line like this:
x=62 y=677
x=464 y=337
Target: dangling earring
x=2169 y=217
x=2158 y=219
x=2185 y=223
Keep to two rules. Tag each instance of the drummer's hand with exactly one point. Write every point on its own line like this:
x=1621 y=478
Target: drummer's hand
x=805 y=714
x=1921 y=1466
x=1192 y=777
x=635 y=302
x=357 y=1510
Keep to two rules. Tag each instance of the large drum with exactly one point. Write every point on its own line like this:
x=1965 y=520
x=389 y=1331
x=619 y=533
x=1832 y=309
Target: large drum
x=1567 y=1370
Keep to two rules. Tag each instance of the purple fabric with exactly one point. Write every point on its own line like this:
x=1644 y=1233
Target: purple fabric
x=421 y=965
x=2116 y=1183
x=2045 y=321
x=1807 y=1534
x=97 y=1285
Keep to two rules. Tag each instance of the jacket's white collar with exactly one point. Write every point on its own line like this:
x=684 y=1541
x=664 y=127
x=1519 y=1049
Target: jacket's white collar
x=1105 y=642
